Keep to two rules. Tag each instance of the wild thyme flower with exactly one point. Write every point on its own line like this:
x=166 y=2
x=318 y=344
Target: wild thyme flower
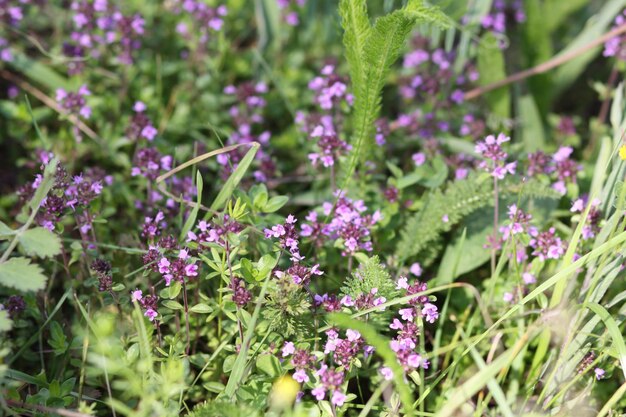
x=491 y=149
x=75 y=102
x=141 y=125
x=348 y=223
x=6 y=54
x=547 y=245
x=616 y=46
x=241 y=296
x=202 y=21
x=11 y=11
x=289 y=10
x=148 y=303
x=330 y=89
x=247 y=118
x=99 y=25
x=150 y=163
x=14 y=305
x=103 y=270
x=496 y=20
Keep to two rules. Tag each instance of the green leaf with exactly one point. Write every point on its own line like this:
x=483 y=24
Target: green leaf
x=5 y=231
x=45 y=186
x=265 y=266
x=229 y=187
x=275 y=204
x=5 y=322
x=38 y=72
x=613 y=329
x=191 y=220
x=20 y=274
x=533 y=134
x=173 y=305
x=356 y=26
x=174 y=290
x=474 y=384
x=491 y=69
x=597 y=25
x=201 y=309
x=40 y=242
x=57 y=340
x=268 y=364
x=469 y=251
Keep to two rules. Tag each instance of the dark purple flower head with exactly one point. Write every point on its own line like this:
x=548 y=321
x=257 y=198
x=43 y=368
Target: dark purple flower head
x=14 y=305
x=148 y=162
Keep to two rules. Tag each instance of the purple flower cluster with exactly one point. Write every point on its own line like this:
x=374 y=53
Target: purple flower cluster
x=348 y=223
x=330 y=89
x=560 y=168
x=331 y=147
x=11 y=11
x=98 y=26
x=14 y=305
x=141 y=125
x=247 y=116
x=6 y=54
x=495 y=163
x=103 y=271
x=287 y=236
x=149 y=163
x=75 y=102
x=289 y=10
x=433 y=90
x=178 y=269
x=212 y=232
x=67 y=195
x=204 y=20
x=149 y=303
x=615 y=46
x=496 y=20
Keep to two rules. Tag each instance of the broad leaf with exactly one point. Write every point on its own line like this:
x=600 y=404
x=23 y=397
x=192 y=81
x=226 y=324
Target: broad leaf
x=20 y=274
x=40 y=242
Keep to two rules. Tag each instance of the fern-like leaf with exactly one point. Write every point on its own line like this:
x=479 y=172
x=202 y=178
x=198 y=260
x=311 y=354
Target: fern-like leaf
x=370 y=66
x=460 y=199
x=356 y=26
x=370 y=274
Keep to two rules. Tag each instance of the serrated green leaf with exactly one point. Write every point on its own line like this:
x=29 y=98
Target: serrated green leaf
x=40 y=242
x=5 y=231
x=20 y=274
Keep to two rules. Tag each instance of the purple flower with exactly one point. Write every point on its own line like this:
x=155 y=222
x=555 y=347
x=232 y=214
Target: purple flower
x=599 y=372
x=430 y=312
x=301 y=376
x=338 y=398
x=136 y=295
x=386 y=373
x=288 y=349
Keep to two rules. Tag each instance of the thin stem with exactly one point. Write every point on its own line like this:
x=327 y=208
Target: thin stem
x=546 y=66
x=186 y=305
x=495 y=225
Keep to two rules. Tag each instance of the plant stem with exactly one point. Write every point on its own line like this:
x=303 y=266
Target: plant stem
x=186 y=317
x=495 y=225
x=546 y=66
